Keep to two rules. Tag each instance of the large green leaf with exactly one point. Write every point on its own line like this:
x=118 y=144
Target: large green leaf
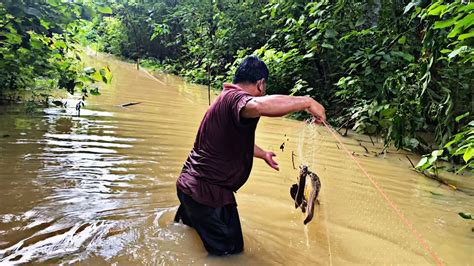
x=328 y=46
x=458 y=51
x=446 y=23
x=436 y=9
x=466 y=35
x=409 y=7
x=466 y=22
x=12 y=38
x=54 y=2
x=422 y=164
x=467 y=7
x=468 y=154
x=104 y=10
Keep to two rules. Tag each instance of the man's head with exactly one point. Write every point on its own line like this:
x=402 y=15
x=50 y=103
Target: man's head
x=252 y=71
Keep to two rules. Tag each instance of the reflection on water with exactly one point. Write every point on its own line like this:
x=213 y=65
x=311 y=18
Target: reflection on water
x=100 y=188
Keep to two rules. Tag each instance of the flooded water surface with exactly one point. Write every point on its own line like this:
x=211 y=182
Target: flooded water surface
x=100 y=188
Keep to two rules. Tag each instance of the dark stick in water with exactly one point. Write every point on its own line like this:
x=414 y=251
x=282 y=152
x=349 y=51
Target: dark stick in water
x=130 y=104
x=293 y=159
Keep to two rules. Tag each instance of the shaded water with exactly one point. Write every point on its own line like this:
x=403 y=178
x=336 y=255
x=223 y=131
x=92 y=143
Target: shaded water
x=100 y=188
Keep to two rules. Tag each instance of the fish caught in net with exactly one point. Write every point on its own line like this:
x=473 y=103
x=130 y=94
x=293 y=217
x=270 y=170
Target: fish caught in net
x=297 y=192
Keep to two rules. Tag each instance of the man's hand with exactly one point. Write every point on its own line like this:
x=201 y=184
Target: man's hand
x=318 y=111
x=268 y=157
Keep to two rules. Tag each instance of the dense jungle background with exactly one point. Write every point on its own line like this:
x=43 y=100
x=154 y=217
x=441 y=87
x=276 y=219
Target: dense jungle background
x=401 y=70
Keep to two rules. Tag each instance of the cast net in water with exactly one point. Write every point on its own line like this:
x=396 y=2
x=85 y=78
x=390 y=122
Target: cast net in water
x=359 y=208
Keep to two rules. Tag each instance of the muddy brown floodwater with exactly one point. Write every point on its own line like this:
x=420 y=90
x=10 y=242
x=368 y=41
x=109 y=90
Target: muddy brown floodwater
x=100 y=188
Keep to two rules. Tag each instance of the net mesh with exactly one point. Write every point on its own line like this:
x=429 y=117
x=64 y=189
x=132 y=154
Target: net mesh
x=361 y=227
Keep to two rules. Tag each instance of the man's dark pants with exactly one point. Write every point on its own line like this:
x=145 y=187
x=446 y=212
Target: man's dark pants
x=219 y=228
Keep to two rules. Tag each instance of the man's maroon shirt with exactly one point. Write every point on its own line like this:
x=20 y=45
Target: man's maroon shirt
x=221 y=159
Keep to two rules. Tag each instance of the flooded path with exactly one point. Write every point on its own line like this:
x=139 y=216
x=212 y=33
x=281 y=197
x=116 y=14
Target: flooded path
x=100 y=188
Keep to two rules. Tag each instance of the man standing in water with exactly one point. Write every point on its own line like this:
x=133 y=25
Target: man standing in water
x=221 y=159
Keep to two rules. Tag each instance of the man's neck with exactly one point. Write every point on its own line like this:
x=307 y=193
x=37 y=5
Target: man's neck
x=247 y=87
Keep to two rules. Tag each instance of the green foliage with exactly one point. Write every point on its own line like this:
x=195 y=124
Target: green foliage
x=39 y=49
x=397 y=69
x=134 y=29
x=448 y=41
x=213 y=33
x=110 y=36
x=460 y=149
x=196 y=39
x=151 y=64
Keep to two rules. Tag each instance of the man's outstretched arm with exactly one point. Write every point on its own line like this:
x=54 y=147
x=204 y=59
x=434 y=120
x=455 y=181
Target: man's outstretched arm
x=267 y=156
x=280 y=105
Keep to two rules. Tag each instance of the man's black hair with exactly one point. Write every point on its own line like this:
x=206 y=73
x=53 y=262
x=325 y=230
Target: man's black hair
x=251 y=70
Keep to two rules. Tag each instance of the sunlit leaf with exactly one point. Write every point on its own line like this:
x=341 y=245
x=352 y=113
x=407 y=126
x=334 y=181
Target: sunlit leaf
x=457 y=51
x=97 y=76
x=436 y=9
x=436 y=153
x=60 y=44
x=44 y=23
x=466 y=35
x=54 y=2
x=456 y=31
x=327 y=45
x=456 y=139
x=422 y=163
x=459 y=117
x=466 y=22
x=409 y=7
x=104 y=10
x=402 y=40
x=446 y=23
x=468 y=154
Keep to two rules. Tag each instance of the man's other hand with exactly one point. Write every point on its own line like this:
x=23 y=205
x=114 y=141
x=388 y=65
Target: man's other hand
x=268 y=157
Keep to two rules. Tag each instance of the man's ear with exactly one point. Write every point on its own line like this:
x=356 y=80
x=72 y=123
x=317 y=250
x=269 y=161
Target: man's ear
x=260 y=84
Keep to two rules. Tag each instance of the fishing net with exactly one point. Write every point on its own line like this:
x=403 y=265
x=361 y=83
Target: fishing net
x=362 y=226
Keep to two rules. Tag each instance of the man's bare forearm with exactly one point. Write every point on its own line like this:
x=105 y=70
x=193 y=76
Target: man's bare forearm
x=275 y=105
x=258 y=152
